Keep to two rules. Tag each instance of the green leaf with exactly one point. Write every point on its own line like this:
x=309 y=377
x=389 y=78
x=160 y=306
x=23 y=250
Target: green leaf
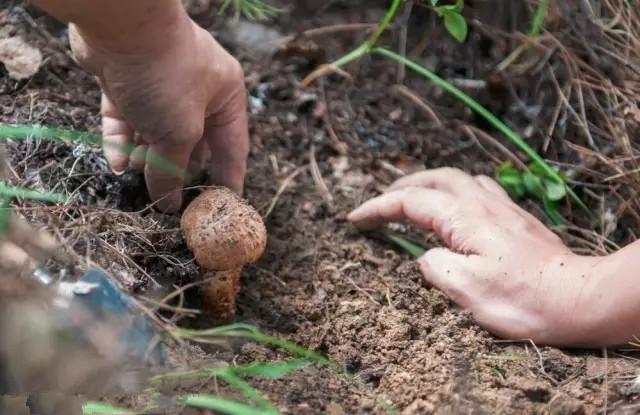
x=275 y=370
x=555 y=191
x=411 y=248
x=456 y=25
x=451 y=8
x=533 y=184
x=434 y=3
x=511 y=179
x=223 y=405
x=99 y=408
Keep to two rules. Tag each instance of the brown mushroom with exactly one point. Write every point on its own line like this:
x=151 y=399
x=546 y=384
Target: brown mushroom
x=224 y=233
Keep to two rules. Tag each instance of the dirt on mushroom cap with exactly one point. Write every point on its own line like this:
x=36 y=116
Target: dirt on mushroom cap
x=223 y=231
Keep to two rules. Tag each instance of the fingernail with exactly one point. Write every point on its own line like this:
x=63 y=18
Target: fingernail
x=117 y=172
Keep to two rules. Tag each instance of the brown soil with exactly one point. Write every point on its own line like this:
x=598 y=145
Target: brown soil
x=321 y=283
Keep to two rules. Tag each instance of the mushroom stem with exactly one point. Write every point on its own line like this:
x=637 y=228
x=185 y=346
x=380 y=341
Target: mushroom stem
x=220 y=293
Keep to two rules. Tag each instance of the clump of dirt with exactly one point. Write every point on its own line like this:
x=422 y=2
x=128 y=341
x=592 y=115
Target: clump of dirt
x=318 y=153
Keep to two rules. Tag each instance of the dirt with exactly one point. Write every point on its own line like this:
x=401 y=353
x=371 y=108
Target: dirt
x=321 y=283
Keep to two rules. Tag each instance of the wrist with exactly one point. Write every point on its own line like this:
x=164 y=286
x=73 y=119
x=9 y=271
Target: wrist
x=569 y=316
x=138 y=29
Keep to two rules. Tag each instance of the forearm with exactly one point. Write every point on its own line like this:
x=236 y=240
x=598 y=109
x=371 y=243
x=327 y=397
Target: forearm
x=120 y=25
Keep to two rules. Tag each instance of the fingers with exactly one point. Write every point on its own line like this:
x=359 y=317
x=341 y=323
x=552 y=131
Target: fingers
x=38 y=245
x=493 y=187
x=200 y=161
x=15 y=259
x=454 y=274
x=165 y=173
x=227 y=135
x=448 y=179
x=117 y=136
x=427 y=208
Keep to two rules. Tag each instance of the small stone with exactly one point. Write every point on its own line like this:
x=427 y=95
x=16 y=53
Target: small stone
x=292 y=118
x=395 y=115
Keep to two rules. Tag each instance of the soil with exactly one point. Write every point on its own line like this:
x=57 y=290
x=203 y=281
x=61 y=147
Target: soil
x=321 y=283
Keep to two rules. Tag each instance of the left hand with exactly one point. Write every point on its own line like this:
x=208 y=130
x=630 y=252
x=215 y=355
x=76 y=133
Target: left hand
x=23 y=248
x=517 y=277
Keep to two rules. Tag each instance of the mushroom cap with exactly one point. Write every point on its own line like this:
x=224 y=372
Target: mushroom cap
x=223 y=231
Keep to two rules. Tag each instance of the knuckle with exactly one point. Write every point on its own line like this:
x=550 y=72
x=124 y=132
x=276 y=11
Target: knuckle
x=432 y=256
x=236 y=72
x=451 y=171
x=484 y=178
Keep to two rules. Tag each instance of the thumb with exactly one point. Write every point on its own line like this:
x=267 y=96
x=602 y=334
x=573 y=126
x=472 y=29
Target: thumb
x=166 y=172
x=454 y=274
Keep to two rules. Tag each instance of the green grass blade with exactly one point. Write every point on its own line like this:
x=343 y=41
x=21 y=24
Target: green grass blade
x=233 y=377
x=250 y=332
x=275 y=370
x=538 y=18
x=12 y=192
x=248 y=391
x=99 y=408
x=223 y=405
x=486 y=114
x=24 y=132
x=392 y=11
x=412 y=249
x=5 y=215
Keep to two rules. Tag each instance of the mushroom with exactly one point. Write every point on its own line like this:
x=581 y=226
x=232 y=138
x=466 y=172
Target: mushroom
x=224 y=233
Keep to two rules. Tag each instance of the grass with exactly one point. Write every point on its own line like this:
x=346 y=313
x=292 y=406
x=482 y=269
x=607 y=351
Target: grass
x=369 y=47
x=234 y=376
x=39 y=132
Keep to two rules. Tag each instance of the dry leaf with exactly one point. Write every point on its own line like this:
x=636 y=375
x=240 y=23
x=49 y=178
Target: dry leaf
x=21 y=60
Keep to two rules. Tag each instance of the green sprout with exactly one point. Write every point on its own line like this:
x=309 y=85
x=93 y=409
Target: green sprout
x=453 y=19
x=535 y=182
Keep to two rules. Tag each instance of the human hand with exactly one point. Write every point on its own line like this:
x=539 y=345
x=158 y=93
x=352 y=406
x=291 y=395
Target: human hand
x=175 y=95
x=23 y=248
x=517 y=277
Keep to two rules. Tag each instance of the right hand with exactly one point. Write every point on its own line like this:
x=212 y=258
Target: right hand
x=181 y=98
x=516 y=276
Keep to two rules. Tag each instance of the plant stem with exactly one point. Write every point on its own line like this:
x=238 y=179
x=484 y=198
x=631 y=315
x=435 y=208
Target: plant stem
x=386 y=21
x=11 y=192
x=486 y=114
x=538 y=18
x=366 y=47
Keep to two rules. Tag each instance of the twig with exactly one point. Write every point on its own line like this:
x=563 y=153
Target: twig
x=317 y=175
x=404 y=31
x=407 y=94
x=282 y=189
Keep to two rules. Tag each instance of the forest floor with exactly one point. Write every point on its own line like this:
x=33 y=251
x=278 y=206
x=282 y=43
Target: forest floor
x=316 y=154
